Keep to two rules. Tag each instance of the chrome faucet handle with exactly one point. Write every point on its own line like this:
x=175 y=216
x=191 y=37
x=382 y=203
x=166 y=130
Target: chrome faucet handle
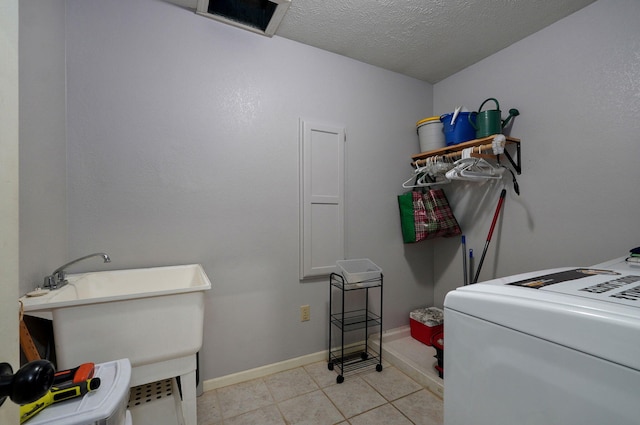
x=50 y=282
x=61 y=276
x=54 y=281
x=57 y=279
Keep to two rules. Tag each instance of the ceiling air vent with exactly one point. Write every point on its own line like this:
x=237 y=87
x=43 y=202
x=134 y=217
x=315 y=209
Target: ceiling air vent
x=260 y=16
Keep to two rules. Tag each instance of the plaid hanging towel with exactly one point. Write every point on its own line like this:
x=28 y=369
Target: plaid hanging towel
x=439 y=219
x=431 y=216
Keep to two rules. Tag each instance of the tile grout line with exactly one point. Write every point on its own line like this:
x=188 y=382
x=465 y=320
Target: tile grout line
x=276 y=403
x=387 y=401
x=322 y=389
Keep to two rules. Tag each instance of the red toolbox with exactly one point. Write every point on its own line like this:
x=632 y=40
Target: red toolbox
x=425 y=322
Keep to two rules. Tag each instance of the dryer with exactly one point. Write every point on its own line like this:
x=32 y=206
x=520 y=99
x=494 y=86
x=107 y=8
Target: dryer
x=559 y=346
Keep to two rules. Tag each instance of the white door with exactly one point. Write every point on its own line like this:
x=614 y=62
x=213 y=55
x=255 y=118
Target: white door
x=321 y=198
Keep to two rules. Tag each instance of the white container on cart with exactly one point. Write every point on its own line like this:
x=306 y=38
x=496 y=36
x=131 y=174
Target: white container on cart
x=359 y=272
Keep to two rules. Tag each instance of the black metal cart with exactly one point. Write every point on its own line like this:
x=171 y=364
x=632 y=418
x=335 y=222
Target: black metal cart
x=358 y=354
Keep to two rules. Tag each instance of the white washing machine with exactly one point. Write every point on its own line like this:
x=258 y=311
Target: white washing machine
x=559 y=346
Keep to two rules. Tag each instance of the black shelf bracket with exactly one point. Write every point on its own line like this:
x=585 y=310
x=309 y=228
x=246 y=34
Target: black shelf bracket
x=515 y=164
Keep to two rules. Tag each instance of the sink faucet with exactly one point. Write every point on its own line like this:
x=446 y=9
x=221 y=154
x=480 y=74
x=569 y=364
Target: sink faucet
x=57 y=279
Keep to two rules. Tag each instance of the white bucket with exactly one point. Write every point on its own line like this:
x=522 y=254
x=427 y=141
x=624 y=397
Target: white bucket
x=430 y=134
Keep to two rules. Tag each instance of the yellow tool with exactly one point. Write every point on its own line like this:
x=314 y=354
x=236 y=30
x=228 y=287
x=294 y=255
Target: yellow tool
x=57 y=394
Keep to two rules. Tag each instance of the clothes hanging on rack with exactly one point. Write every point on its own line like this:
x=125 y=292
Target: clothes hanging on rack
x=431 y=173
x=460 y=165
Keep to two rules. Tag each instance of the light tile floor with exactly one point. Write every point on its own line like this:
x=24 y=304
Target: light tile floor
x=309 y=395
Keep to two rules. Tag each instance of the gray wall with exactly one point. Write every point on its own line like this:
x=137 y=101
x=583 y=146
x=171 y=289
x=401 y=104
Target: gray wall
x=182 y=143
x=183 y=148
x=43 y=161
x=577 y=86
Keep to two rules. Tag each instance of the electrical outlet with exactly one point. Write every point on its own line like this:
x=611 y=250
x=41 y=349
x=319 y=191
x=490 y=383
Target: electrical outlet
x=305 y=313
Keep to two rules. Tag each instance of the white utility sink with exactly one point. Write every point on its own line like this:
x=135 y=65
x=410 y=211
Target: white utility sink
x=100 y=287
x=153 y=316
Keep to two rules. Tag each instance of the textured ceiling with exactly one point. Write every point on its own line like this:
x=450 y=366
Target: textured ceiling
x=425 y=39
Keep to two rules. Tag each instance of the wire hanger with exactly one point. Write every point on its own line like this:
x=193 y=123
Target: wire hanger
x=472 y=168
x=420 y=181
x=429 y=174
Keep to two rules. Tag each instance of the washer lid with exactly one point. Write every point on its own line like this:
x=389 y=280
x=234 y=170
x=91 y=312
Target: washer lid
x=596 y=311
x=610 y=286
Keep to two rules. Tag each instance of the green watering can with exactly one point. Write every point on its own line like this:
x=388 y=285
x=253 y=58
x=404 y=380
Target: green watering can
x=490 y=122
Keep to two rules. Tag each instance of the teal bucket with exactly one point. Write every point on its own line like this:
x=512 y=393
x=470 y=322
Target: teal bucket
x=462 y=130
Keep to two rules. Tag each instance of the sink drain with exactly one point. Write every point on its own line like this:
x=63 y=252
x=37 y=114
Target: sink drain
x=150 y=392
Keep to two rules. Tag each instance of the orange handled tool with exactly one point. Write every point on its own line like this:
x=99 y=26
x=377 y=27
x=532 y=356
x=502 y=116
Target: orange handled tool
x=76 y=375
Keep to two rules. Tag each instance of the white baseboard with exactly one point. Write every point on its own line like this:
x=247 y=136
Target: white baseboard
x=259 y=372
x=262 y=371
x=393 y=334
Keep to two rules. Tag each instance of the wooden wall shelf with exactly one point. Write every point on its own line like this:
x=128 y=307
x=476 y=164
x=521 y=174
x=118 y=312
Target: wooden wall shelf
x=483 y=144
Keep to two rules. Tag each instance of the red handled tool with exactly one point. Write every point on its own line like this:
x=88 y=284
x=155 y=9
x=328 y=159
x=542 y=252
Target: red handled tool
x=493 y=225
x=76 y=375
